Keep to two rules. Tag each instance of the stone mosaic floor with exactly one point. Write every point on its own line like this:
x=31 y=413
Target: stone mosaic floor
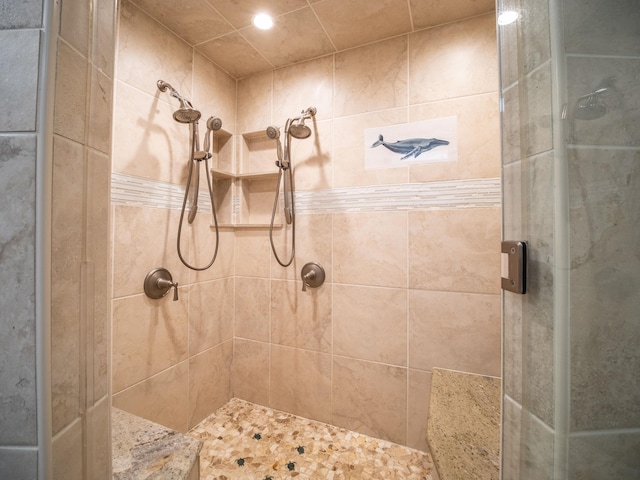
x=247 y=441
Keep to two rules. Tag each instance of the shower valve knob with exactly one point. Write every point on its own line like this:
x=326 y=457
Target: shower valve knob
x=158 y=282
x=312 y=275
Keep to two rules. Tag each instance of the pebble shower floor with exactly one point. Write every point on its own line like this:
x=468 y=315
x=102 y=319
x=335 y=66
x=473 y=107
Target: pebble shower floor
x=243 y=441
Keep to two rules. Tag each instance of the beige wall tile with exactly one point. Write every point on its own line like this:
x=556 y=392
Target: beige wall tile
x=67 y=450
x=144 y=239
x=148 y=52
x=214 y=92
x=252 y=253
x=455 y=250
x=75 y=25
x=226 y=50
x=161 y=398
x=71 y=94
x=313 y=244
x=454 y=60
x=100 y=111
x=301 y=382
x=478 y=120
x=211 y=311
x=370 y=323
x=250 y=374
x=370 y=249
x=425 y=13
x=255 y=103
x=148 y=337
x=313 y=158
x=104 y=42
x=418 y=409
x=457 y=331
x=370 y=398
x=301 y=319
x=209 y=381
x=99 y=437
x=291 y=92
x=240 y=14
x=201 y=237
x=371 y=78
x=349 y=154
x=252 y=308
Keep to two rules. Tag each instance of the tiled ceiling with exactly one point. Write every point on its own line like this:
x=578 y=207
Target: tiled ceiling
x=303 y=29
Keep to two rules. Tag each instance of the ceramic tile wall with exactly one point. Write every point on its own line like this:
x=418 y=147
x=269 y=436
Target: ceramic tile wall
x=408 y=287
x=171 y=360
x=20 y=31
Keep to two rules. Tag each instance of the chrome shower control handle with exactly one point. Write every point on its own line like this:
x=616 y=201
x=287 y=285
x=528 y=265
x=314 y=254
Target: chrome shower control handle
x=158 y=282
x=312 y=275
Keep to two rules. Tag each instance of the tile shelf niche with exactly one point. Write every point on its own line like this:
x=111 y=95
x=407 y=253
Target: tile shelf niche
x=245 y=179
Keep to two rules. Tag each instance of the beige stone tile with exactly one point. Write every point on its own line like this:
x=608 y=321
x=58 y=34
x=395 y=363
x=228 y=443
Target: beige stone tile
x=209 y=381
x=371 y=78
x=214 y=93
x=240 y=14
x=148 y=52
x=313 y=244
x=297 y=36
x=75 y=25
x=252 y=308
x=250 y=372
x=430 y=13
x=478 y=136
x=301 y=319
x=418 y=409
x=370 y=324
x=67 y=452
x=455 y=250
x=201 y=237
x=211 y=311
x=226 y=50
x=69 y=118
x=370 y=398
x=511 y=141
x=370 y=249
x=161 y=398
x=67 y=242
x=255 y=102
x=103 y=42
x=99 y=439
x=144 y=128
x=301 y=382
x=292 y=92
x=349 y=154
x=196 y=21
x=443 y=59
x=313 y=158
x=354 y=23
x=100 y=111
x=252 y=253
x=148 y=337
x=144 y=239
x=457 y=331
x=537 y=124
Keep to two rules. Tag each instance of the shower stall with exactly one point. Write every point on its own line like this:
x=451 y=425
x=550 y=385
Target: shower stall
x=570 y=83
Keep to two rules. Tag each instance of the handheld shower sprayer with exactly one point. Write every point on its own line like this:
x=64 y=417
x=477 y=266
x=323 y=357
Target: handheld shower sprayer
x=213 y=124
x=274 y=134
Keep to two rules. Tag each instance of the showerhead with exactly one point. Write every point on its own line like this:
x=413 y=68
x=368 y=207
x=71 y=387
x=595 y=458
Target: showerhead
x=186 y=113
x=273 y=132
x=297 y=128
x=594 y=105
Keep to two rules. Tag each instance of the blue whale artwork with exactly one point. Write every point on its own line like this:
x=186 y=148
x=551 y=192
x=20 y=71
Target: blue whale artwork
x=411 y=146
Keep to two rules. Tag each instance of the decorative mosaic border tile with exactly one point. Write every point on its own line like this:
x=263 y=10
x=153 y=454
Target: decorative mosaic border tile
x=474 y=193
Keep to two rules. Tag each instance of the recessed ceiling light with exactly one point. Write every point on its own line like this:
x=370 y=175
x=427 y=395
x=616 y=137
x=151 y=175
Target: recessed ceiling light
x=507 y=17
x=263 y=21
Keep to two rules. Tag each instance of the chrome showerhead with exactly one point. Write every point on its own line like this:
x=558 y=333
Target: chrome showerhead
x=593 y=105
x=186 y=113
x=297 y=128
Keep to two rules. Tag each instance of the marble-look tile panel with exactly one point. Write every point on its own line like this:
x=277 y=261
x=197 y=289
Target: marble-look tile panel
x=17 y=300
x=252 y=308
x=202 y=240
x=69 y=117
x=226 y=50
x=535 y=34
x=250 y=371
x=370 y=398
x=99 y=439
x=67 y=452
x=301 y=382
x=512 y=193
x=313 y=158
x=19 y=463
x=511 y=125
x=75 y=24
x=511 y=438
x=100 y=111
x=597 y=28
x=148 y=52
x=604 y=299
x=252 y=253
x=255 y=103
x=240 y=14
x=291 y=92
x=370 y=249
x=430 y=13
x=25 y=14
x=349 y=156
x=457 y=331
x=371 y=78
x=478 y=136
x=370 y=323
x=20 y=56
x=419 y=393
x=512 y=345
x=455 y=250
x=211 y=313
x=536 y=131
x=103 y=41
x=209 y=381
x=301 y=319
x=464 y=425
x=536 y=454
x=161 y=398
x=214 y=92
x=606 y=455
x=509 y=46
x=357 y=22
x=148 y=336
x=442 y=59
x=67 y=245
